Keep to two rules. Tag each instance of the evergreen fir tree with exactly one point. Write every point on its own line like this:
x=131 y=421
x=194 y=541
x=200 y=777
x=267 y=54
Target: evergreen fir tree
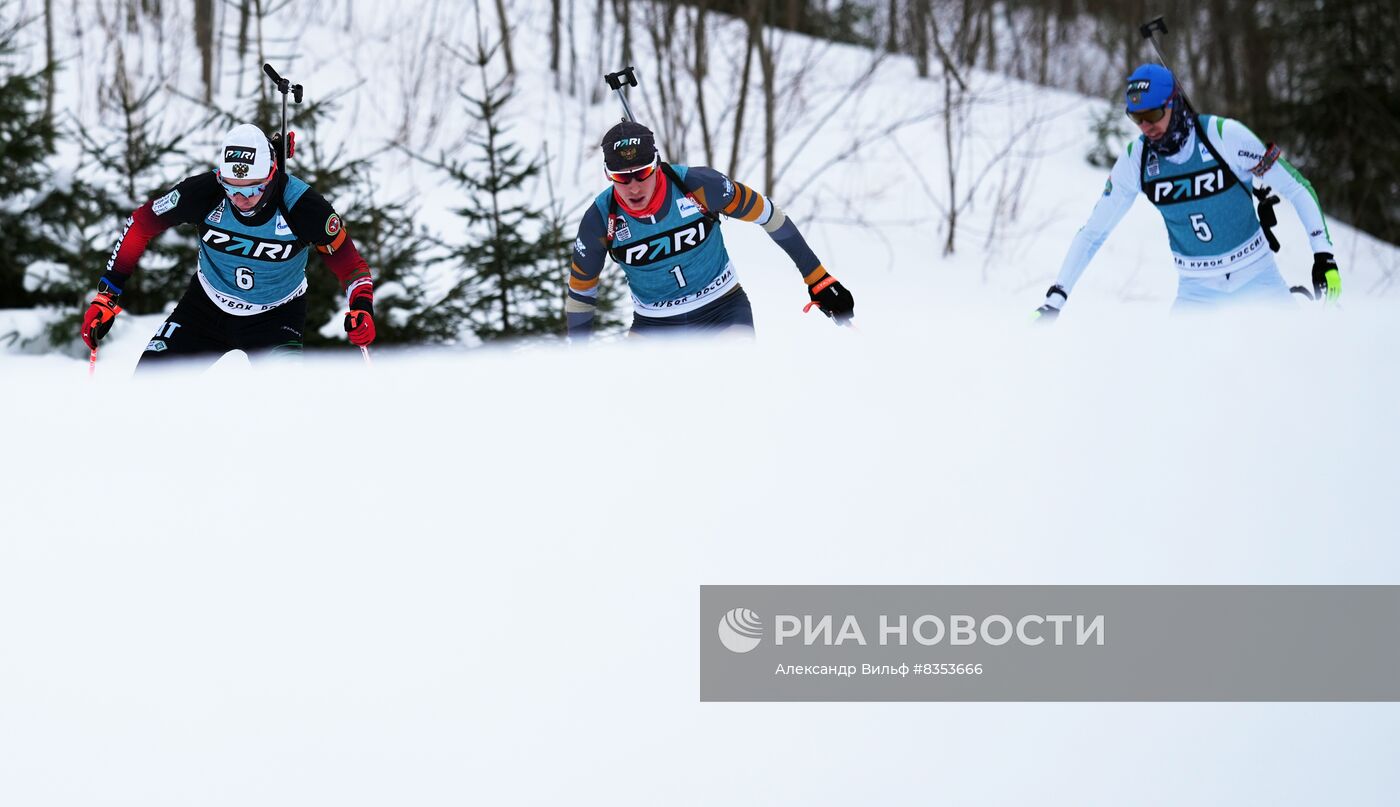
x=27 y=142
x=508 y=281
x=398 y=253
x=124 y=166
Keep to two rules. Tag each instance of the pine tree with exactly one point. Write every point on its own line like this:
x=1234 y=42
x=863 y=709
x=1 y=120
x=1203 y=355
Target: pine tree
x=133 y=158
x=398 y=253
x=507 y=277
x=28 y=141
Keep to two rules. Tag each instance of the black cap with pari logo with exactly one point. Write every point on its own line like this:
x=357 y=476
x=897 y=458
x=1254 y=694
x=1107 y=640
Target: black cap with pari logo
x=628 y=145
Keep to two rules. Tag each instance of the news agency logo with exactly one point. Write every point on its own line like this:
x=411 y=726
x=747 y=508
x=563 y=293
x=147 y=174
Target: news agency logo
x=740 y=630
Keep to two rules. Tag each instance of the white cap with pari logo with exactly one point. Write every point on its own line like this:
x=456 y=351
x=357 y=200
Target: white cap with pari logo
x=245 y=154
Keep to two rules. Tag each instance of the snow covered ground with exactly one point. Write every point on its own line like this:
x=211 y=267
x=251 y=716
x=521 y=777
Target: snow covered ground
x=472 y=576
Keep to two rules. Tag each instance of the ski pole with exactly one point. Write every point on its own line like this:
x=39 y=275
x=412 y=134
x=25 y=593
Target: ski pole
x=92 y=362
x=285 y=142
x=1146 y=29
x=364 y=351
x=626 y=77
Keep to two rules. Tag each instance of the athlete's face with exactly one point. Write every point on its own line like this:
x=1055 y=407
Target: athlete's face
x=1155 y=131
x=637 y=192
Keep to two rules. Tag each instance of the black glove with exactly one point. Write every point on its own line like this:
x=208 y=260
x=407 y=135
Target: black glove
x=833 y=299
x=1055 y=299
x=1326 y=277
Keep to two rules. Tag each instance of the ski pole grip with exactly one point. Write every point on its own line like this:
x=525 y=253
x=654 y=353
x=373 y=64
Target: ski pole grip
x=1158 y=24
x=282 y=83
x=625 y=77
x=296 y=93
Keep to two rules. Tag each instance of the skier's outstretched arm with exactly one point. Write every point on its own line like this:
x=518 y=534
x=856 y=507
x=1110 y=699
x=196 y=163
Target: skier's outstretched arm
x=187 y=202
x=1119 y=193
x=1250 y=155
x=719 y=193
x=588 y=251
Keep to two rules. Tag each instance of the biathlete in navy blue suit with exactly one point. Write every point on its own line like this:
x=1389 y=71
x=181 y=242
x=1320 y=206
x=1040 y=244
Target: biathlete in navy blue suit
x=660 y=223
x=255 y=224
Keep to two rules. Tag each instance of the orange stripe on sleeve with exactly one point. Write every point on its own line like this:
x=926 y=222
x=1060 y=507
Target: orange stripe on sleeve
x=747 y=204
x=739 y=194
x=336 y=243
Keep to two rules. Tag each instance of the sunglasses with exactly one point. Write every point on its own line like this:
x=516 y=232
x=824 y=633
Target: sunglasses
x=1148 y=115
x=634 y=174
x=247 y=191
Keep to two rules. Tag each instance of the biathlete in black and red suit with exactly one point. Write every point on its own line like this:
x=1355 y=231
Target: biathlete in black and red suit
x=255 y=224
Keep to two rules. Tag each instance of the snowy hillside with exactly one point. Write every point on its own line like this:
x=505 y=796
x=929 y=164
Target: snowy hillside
x=860 y=161
x=473 y=576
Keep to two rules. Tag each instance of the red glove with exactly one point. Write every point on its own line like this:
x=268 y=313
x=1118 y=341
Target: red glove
x=102 y=313
x=359 y=322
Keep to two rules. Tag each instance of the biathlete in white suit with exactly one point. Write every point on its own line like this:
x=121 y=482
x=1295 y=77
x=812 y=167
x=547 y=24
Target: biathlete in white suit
x=1198 y=170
